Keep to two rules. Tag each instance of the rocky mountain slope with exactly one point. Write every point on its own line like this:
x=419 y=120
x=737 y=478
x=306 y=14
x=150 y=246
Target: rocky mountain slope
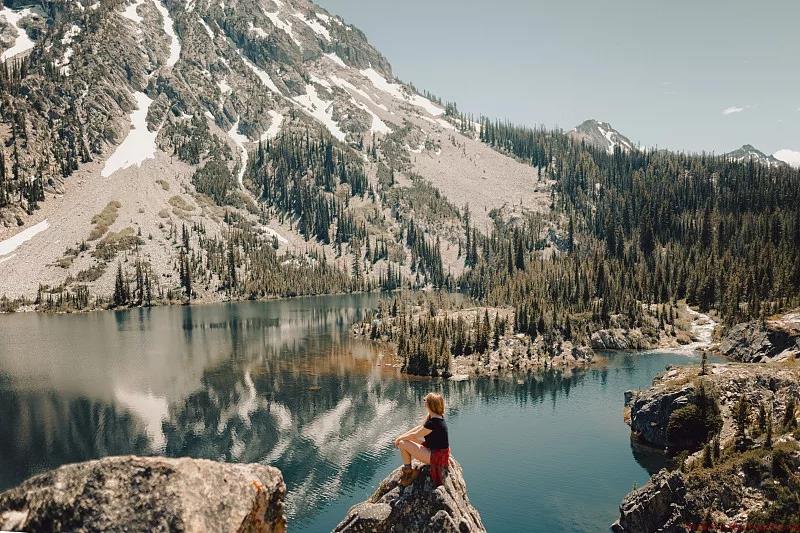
x=121 y=123
x=775 y=339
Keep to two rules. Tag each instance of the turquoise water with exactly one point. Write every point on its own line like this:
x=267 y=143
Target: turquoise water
x=283 y=383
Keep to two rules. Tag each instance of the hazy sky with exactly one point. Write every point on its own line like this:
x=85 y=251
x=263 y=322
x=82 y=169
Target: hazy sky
x=694 y=75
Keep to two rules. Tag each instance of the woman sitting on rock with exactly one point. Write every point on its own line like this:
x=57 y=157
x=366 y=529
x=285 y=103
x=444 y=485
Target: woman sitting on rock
x=427 y=443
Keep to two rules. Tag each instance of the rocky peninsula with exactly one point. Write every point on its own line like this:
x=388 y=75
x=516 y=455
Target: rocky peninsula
x=736 y=426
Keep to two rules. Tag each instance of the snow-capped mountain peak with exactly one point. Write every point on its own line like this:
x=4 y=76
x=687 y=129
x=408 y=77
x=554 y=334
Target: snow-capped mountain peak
x=602 y=135
x=748 y=152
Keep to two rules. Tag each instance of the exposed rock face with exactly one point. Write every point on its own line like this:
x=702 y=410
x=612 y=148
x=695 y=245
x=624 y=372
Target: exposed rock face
x=620 y=339
x=651 y=409
x=754 y=342
x=657 y=506
x=418 y=507
x=741 y=482
x=148 y=494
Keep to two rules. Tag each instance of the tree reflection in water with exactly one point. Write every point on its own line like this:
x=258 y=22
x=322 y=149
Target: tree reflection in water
x=279 y=383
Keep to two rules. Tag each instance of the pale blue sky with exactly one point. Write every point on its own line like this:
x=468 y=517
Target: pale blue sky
x=663 y=73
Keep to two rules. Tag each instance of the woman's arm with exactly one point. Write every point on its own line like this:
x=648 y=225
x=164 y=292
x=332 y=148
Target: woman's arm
x=417 y=434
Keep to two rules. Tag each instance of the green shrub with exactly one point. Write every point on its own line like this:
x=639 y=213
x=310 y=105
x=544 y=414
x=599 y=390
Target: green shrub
x=694 y=424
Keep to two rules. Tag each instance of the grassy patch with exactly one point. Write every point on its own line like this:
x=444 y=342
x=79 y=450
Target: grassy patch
x=164 y=184
x=104 y=219
x=179 y=203
x=92 y=273
x=113 y=243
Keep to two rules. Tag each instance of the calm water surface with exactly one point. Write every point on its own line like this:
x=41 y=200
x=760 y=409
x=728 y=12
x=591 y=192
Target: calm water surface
x=283 y=383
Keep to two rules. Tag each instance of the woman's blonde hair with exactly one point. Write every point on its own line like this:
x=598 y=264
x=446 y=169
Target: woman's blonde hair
x=435 y=402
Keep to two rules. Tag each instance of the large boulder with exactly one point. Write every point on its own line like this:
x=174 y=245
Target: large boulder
x=419 y=507
x=131 y=493
x=657 y=506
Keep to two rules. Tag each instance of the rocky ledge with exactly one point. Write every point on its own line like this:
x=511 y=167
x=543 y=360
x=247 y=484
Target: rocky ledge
x=674 y=391
x=148 y=494
x=419 y=507
x=744 y=476
x=775 y=339
x=158 y=494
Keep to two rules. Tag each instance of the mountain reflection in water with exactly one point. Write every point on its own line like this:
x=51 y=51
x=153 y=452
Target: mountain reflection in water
x=279 y=383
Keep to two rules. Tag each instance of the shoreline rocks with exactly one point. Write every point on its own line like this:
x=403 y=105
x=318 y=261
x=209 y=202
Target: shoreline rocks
x=657 y=506
x=724 y=488
x=419 y=507
x=132 y=493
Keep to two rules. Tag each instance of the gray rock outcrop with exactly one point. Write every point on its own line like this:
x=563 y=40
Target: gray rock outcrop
x=657 y=506
x=419 y=507
x=756 y=342
x=131 y=493
x=651 y=410
x=620 y=339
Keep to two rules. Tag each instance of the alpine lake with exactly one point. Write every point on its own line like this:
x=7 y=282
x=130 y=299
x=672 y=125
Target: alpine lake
x=284 y=383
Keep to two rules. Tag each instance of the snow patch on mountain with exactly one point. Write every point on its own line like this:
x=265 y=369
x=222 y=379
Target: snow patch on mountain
x=63 y=64
x=336 y=59
x=131 y=14
x=790 y=157
x=139 y=145
x=22 y=43
x=344 y=84
x=239 y=140
x=748 y=153
x=378 y=125
x=397 y=91
x=9 y=245
x=207 y=28
x=70 y=34
x=602 y=135
x=255 y=29
x=260 y=73
x=274 y=126
x=382 y=84
x=319 y=81
x=274 y=17
x=169 y=29
x=320 y=109
x=315 y=26
x=224 y=88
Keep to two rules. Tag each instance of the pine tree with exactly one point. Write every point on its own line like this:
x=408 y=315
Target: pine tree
x=119 y=298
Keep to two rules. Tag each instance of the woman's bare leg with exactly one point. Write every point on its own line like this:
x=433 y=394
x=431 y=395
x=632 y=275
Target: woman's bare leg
x=404 y=454
x=409 y=449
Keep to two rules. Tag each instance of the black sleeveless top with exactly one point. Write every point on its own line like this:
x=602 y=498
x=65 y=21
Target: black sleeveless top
x=437 y=438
